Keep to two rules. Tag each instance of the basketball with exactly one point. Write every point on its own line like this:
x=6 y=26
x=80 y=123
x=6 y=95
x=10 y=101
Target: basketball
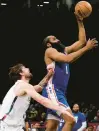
x=83 y=8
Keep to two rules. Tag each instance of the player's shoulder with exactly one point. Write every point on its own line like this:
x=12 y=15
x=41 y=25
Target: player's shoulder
x=82 y=114
x=20 y=87
x=50 y=50
x=20 y=84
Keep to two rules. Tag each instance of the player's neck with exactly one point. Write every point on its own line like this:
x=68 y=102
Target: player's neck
x=24 y=79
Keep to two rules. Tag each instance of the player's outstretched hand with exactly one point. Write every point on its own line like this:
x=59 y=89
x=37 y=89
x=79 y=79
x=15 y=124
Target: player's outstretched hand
x=91 y=43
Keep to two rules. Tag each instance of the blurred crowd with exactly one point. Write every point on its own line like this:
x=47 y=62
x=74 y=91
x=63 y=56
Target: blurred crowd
x=36 y=114
x=91 y=111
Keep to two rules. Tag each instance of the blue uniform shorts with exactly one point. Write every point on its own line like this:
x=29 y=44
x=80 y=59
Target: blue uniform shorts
x=60 y=97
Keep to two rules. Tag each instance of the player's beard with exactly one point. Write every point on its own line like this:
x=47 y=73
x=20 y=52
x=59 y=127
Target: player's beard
x=76 y=111
x=58 y=46
x=29 y=76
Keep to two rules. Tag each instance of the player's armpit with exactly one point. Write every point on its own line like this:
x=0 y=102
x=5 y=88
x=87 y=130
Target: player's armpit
x=19 y=89
x=38 y=88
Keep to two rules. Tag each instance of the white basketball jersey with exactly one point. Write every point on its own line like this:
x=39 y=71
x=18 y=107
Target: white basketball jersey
x=13 y=107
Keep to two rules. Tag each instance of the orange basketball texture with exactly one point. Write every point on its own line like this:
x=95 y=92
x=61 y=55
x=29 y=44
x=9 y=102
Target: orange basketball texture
x=83 y=8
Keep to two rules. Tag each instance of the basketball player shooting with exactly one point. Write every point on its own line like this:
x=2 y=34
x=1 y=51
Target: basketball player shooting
x=17 y=99
x=58 y=57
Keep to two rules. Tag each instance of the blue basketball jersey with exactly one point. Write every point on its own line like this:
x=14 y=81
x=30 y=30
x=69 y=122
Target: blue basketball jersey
x=79 y=117
x=61 y=76
x=57 y=85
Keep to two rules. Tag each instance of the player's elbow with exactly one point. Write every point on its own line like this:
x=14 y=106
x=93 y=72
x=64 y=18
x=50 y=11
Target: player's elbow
x=38 y=88
x=82 y=42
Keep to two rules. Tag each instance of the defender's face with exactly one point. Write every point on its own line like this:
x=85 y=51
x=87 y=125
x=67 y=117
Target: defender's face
x=26 y=72
x=76 y=108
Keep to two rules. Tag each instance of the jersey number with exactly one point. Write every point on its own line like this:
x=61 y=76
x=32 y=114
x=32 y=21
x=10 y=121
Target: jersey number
x=66 y=70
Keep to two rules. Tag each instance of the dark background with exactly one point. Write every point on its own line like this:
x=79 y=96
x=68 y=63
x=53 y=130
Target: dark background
x=22 y=30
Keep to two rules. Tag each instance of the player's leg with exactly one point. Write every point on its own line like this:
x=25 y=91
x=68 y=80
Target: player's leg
x=69 y=120
x=57 y=97
x=52 y=125
x=68 y=116
x=52 y=120
x=61 y=124
x=27 y=125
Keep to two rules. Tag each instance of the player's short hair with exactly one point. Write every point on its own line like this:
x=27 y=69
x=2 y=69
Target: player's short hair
x=75 y=104
x=14 y=73
x=45 y=41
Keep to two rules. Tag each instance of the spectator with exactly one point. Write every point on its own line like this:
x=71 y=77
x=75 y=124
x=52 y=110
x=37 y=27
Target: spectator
x=80 y=120
x=97 y=129
x=36 y=113
x=90 y=128
x=96 y=118
x=43 y=116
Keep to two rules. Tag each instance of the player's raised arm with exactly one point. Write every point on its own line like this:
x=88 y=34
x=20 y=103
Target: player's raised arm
x=83 y=9
x=69 y=58
x=81 y=37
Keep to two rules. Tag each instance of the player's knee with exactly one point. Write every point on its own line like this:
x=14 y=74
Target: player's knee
x=51 y=126
x=72 y=121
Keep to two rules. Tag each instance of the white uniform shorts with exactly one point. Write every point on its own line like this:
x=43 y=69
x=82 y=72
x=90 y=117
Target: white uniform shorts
x=5 y=127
